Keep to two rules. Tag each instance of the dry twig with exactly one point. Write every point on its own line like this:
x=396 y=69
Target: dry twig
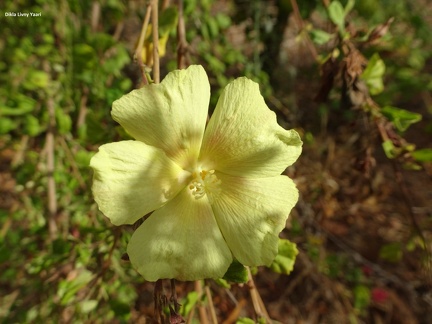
x=155 y=31
x=139 y=48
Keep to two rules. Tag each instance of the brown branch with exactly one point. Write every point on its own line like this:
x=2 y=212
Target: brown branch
x=95 y=15
x=82 y=108
x=155 y=30
x=300 y=24
x=139 y=48
x=181 y=38
x=257 y=301
x=19 y=154
x=201 y=309
x=211 y=305
x=50 y=164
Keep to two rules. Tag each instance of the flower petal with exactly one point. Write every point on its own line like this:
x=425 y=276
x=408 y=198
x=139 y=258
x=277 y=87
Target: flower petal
x=181 y=240
x=132 y=179
x=170 y=115
x=243 y=137
x=251 y=213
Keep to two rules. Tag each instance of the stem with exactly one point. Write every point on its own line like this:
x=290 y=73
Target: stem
x=257 y=302
x=300 y=23
x=138 y=50
x=155 y=30
x=181 y=38
x=211 y=305
x=201 y=309
x=52 y=195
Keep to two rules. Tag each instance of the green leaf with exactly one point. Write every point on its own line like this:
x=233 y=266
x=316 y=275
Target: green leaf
x=285 y=259
x=319 y=36
x=82 y=158
x=389 y=149
x=401 y=118
x=223 y=20
x=362 y=297
x=36 y=80
x=349 y=6
x=423 y=155
x=373 y=74
x=64 y=121
x=168 y=20
x=189 y=303
x=68 y=288
x=88 y=305
x=24 y=105
x=245 y=320
x=6 y=125
x=32 y=125
x=337 y=15
x=236 y=273
x=223 y=283
x=391 y=252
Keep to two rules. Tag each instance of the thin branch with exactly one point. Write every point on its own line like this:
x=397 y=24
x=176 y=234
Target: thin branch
x=95 y=15
x=201 y=309
x=19 y=154
x=139 y=48
x=300 y=24
x=82 y=110
x=74 y=166
x=155 y=30
x=211 y=305
x=52 y=195
x=257 y=302
x=181 y=38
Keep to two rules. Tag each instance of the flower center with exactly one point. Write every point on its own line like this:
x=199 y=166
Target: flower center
x=205 y=182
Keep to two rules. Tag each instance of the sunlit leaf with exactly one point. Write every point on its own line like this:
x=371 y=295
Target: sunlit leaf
x=189 y=303
x=423 y=155
x=337 y=14
x=285 y=259
x=319 y=36
x=401 y=118
x=373 y=74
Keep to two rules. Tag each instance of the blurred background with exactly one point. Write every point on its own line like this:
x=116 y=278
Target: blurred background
x=353 y=77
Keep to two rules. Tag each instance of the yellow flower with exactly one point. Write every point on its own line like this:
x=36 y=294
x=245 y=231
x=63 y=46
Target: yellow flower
x=217 y=193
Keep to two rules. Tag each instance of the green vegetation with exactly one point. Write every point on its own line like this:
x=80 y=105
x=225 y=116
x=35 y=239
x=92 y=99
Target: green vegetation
x=62 y=261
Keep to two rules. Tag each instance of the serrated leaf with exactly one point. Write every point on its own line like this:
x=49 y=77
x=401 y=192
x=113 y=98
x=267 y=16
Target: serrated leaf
x=285 y=259
x=401 y=118
x=373 y=74
x=236 y=273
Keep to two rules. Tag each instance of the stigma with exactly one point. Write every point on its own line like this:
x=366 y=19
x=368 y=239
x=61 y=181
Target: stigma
x=205 y=183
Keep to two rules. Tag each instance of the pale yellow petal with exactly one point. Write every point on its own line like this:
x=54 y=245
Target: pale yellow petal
x=251 y=213
x=243 y=137
x=170 y=115
x=181 y=240
x=132 y=179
